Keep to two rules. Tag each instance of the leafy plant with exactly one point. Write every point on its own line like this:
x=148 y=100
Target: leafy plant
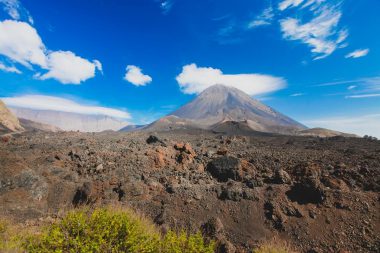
x=106 y=230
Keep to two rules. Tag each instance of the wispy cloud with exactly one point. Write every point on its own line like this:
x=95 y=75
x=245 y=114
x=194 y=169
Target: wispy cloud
x=364 y=96
x=194 y=79
x=135 y=76
x=356 y=88
x=16 y=11
x=360 y=124
x=230 y=32
x=322 y=33
x=166 y=5
x=265 y=18
x=10 y=69
x=297 y=94
x=288 y=4
x=358 y=53
x=41 y=102
x=285 y=4
x=368 y=81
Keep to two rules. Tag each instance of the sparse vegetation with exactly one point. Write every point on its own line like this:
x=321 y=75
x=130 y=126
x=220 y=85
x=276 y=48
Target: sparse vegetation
x=2 y=234
x=106 y=230
x=10 y=237
x=274 y=246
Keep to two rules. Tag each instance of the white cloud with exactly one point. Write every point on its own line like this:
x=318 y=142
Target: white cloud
x=371 y=82
x=265 y=18
x=358 y=53
x=288 y=4
x=68 y=68
x=40 y=102
x=15 y=10
x=360 y=125
x=321 y=33
x=20 y=42
x=357 y=87
x=194 y=80
x=11 y=69
x=98 y=65
x=135 y=76
x=297 y=94
x=364 y=96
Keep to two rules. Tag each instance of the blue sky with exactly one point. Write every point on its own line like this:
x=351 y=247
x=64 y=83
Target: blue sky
x=317 y=61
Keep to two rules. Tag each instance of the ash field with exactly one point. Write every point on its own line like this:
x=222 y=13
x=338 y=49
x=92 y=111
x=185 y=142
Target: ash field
x=318 y=194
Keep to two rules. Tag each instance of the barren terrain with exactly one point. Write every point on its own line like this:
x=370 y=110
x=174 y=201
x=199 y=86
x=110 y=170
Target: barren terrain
x=319 y=194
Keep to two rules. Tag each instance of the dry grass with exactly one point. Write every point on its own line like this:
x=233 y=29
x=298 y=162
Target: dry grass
x=275 y=245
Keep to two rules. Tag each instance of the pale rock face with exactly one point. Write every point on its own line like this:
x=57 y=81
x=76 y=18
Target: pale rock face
x=8 y=121
x=220 y=103
x=67 y=121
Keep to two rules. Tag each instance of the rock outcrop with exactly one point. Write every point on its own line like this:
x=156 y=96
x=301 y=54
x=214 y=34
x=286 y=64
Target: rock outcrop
x=8 y=121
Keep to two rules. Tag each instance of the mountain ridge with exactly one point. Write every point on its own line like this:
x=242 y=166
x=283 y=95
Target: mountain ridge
x=220 y=103
x=67 y=121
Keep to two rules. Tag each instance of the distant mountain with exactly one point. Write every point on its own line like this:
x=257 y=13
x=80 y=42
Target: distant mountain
x=220 y=103
x=32 y=125
x=8 y=121
x=68 y=121
x=323 y=132
x=171 y=122
x=131 y=128
x=235 y=128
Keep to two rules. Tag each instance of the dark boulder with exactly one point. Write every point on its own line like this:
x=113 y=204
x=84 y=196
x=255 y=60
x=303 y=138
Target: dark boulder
x=154 y=139
x=307 y=191
x=225 y=168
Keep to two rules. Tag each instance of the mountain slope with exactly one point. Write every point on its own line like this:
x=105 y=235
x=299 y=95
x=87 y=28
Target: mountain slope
x=8 y=121
x=30 y=125
x=170 y=122
x=220 y=103
x=70 y=121
x=323 y=132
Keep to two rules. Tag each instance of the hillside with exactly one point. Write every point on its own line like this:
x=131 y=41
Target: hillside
x=68 y=121
x=8 y=121
x=221 y=103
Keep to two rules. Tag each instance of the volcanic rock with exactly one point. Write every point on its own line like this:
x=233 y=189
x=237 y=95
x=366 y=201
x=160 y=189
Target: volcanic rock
x=225 y=168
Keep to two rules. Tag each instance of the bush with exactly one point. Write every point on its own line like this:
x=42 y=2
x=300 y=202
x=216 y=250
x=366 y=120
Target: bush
x=106 y=230
x=2 y=234
x=9 y=237
x=178 y=243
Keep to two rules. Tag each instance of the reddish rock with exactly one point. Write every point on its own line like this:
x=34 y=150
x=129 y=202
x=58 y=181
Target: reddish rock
x=222 y=151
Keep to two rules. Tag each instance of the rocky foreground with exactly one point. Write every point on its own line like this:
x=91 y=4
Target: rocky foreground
x=318 y=194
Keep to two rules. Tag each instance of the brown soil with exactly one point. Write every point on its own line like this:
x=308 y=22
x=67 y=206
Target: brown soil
x=321 y=195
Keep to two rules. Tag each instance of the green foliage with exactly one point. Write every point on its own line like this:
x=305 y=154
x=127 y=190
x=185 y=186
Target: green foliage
x=105 y=230
x=3 y=229
x=9 y=239
x=183 y=243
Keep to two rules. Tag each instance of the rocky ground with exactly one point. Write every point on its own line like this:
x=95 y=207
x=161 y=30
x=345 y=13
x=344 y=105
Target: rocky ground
x=319 y=194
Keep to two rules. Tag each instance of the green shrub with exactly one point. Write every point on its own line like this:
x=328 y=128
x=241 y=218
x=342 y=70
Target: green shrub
x=106 y=230
x=183 y=243
x=3 y=228
x=9 y=237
